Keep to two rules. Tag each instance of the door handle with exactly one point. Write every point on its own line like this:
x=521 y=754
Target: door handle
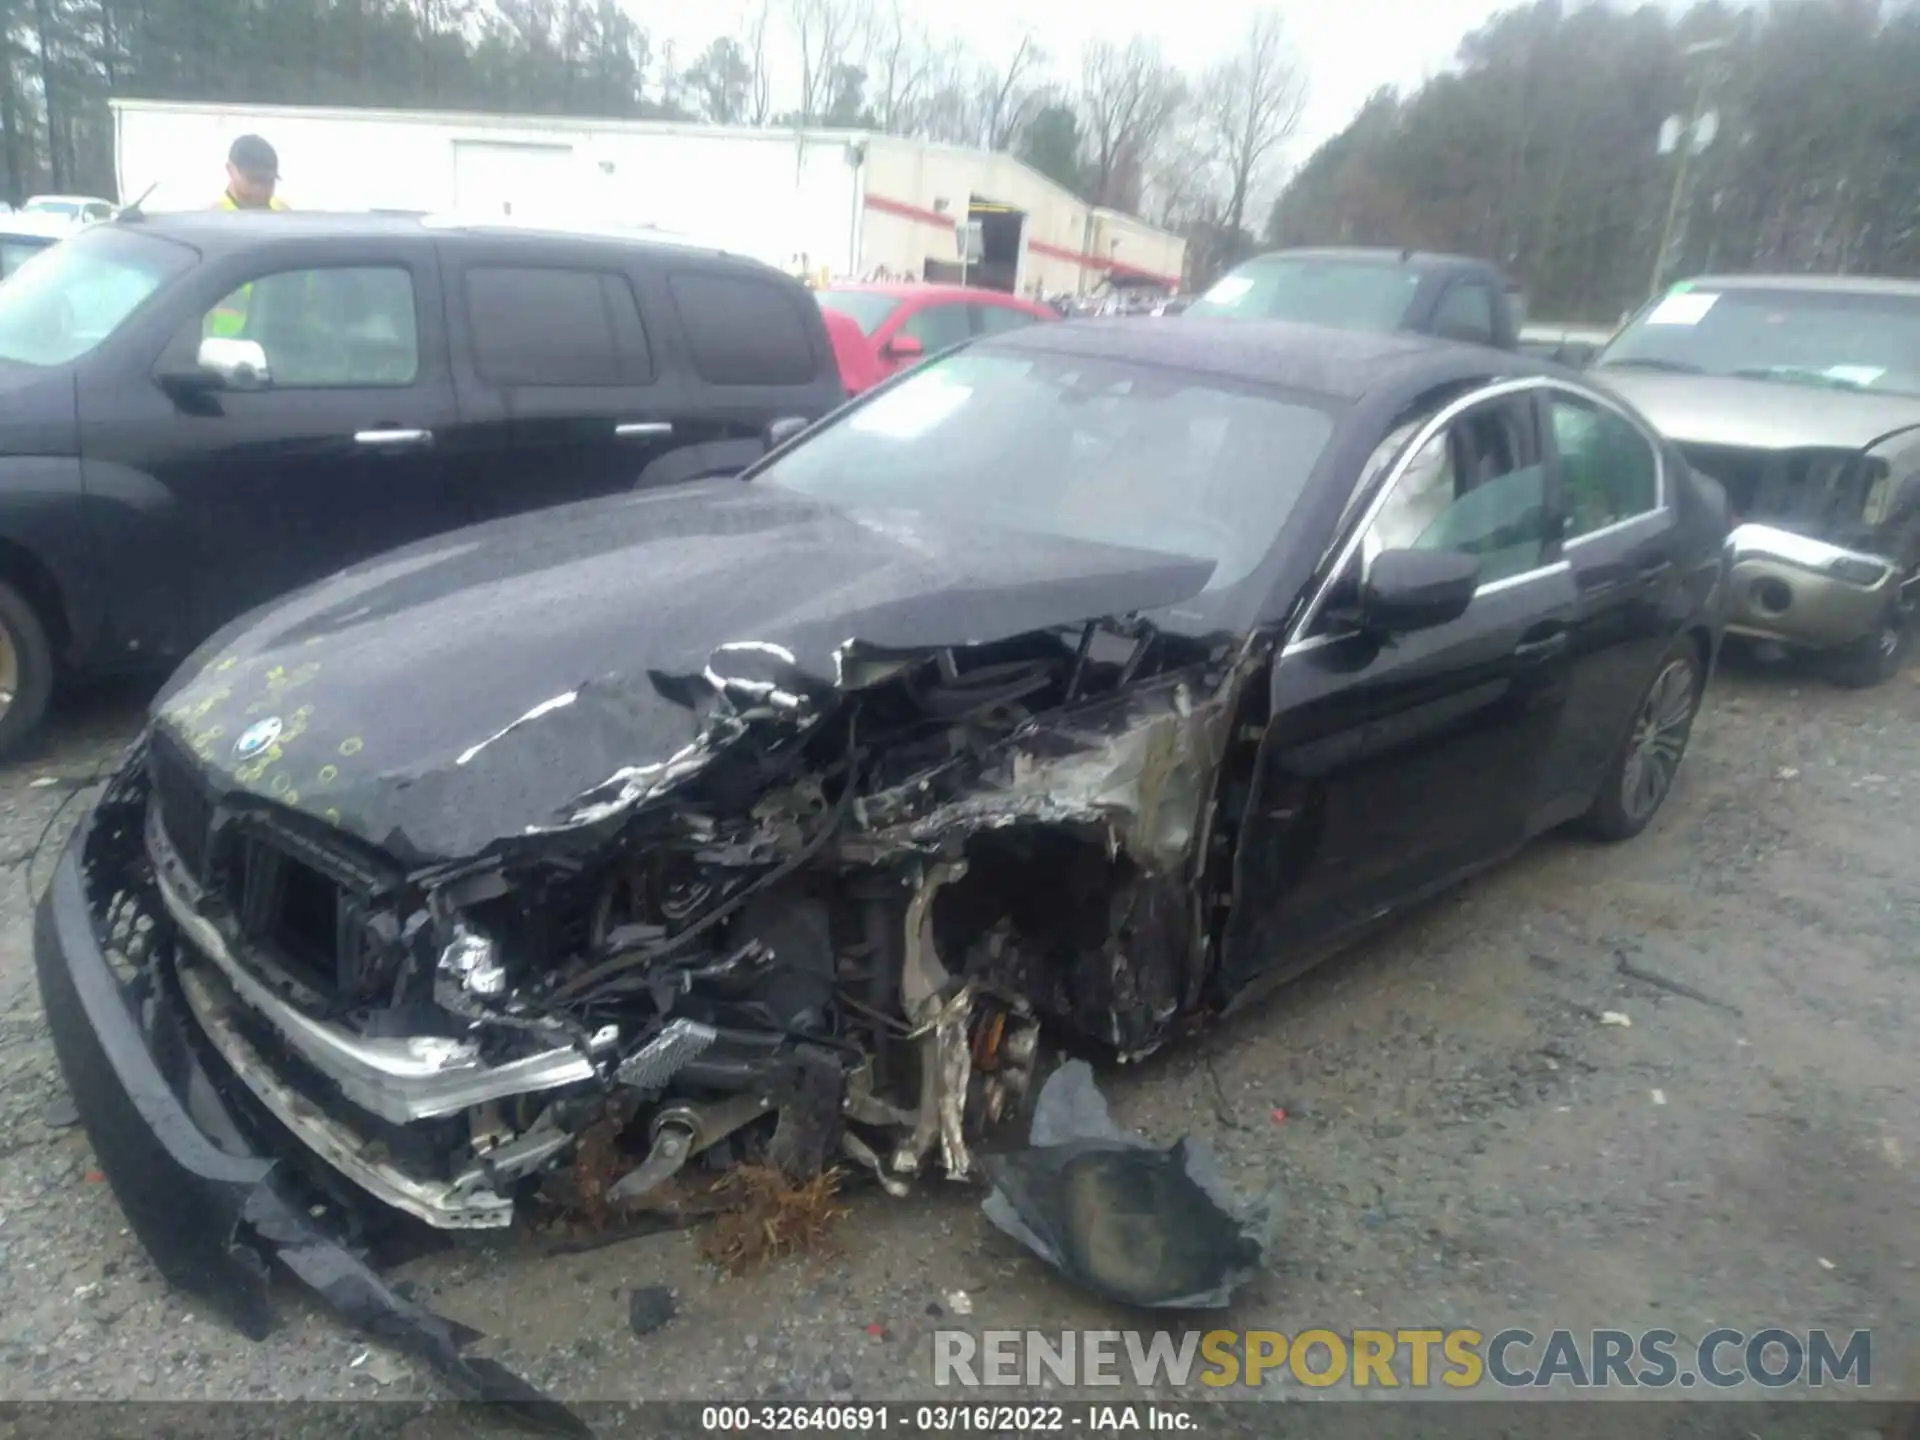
x=1652 y=575
x=392 y=439
x=1542 y=647
x=643 y=430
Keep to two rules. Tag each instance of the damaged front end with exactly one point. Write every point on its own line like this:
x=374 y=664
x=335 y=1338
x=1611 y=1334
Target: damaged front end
x=826 y=931
x=1827 y=541
x=201 y=1178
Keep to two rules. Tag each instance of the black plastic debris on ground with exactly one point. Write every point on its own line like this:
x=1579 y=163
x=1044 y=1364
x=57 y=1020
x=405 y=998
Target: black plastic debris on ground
x=1125 y=1219
x=649 y=1308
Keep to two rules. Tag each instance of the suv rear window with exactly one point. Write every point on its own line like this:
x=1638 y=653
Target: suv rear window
x=743 y=331
x=555 y=327
x=1345 y=294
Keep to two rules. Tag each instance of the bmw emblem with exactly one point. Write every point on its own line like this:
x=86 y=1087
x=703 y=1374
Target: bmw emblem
x=257 y=737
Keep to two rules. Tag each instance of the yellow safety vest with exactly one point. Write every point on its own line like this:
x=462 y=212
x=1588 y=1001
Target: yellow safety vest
x=229 y=320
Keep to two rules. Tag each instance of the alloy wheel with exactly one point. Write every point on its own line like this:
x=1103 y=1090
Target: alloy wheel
x=1659 y=739
x=9 y=671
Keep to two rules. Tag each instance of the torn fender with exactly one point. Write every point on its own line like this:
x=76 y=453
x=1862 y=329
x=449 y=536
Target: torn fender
x=1140 y=766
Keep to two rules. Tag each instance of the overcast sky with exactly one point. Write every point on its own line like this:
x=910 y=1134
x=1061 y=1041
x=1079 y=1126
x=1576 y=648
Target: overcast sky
x=1350 y=47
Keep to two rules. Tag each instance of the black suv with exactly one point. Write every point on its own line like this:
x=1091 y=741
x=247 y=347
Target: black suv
x=200 y=412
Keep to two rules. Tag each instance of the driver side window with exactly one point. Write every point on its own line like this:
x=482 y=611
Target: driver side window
x=1477 y=488
x=324 y=328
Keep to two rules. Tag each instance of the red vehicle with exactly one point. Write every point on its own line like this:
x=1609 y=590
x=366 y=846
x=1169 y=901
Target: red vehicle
x=859 y=365
x=901 y=324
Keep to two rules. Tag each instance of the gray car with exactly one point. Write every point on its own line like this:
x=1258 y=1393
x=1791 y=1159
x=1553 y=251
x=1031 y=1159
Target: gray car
x=1801 y=396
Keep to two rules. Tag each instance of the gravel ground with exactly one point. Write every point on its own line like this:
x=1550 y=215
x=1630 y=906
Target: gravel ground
x=1464 y=1141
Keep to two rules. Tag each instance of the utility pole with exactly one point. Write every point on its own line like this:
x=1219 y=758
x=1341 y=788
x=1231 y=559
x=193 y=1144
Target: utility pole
x=1684 y=145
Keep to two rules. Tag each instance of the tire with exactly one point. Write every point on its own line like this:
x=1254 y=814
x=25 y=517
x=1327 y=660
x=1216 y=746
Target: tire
x=1642 y=773
x=26 y=671
x=1874 y=658
x=1877 y=656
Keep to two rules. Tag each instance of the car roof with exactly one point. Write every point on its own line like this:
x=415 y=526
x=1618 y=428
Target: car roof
x=925 y=290
x=25 y=225
x=217 y=231
x=1341 y=365
x=1379 y=255
x=1831 y=284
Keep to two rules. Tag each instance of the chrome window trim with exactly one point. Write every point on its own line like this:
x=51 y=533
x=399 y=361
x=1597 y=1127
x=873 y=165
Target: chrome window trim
x=1492 y=587
x=1614 y=528
x=1440 y=420
x=1525 y=577
x=1444 y=417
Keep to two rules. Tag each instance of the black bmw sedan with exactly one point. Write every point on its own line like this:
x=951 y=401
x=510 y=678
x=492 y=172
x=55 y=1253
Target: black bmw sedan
x=1081 y=678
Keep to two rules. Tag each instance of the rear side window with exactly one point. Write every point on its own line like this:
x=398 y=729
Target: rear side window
x=997 y=319
x=743 y=331
x=1609 y=471
x=1466 y=313
x=555 y=327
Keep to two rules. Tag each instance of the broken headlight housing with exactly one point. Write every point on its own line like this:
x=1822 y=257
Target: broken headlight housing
x=1856 y=571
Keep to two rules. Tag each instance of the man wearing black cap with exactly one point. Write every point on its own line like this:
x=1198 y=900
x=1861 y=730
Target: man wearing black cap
x=253 y=169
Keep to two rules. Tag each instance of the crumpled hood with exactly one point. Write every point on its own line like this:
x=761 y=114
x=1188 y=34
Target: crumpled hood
x=1758 y=414
x=466 y=689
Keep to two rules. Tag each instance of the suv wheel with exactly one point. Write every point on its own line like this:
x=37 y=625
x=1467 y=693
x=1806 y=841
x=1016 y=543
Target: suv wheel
x=26 y=670
x=1876 y=657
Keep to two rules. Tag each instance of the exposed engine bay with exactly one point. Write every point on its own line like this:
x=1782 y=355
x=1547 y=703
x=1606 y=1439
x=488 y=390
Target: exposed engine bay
x=827 y=931
x=1838 y=495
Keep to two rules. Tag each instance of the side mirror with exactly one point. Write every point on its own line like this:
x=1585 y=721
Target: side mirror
x=237 y=364
x=221 y=364
x=1417 y=589
x=786 y=428
x=905 y=347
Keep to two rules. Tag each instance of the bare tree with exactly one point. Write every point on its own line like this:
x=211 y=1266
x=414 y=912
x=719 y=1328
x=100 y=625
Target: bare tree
x=901 y=59
x=760 y=87
x=1012 y=97
x=1186 y=186
x=950 y=111
x=1252 y=102
x=830 y=35
x=1126 y=96
x=672 y=82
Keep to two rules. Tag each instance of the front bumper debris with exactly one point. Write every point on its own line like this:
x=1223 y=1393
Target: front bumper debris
x=1797 y=590
x=400 y=1080
x=214 y=1213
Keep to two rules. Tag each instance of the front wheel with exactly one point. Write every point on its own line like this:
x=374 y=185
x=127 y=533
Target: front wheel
x=1874 y=658
x=1877 y=656
x=26 y=670
x=1642 y=773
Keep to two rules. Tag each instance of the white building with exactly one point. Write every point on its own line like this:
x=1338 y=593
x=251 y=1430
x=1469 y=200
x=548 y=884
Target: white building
x=845 y=203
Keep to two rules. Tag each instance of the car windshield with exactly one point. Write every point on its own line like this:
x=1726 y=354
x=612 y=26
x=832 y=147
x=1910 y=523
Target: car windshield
x=16 y=250
x=865 y=308
x=1829 y=338
x=1345 y=294
x=1087 y=449
x=71 y=296
x=69 y=208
